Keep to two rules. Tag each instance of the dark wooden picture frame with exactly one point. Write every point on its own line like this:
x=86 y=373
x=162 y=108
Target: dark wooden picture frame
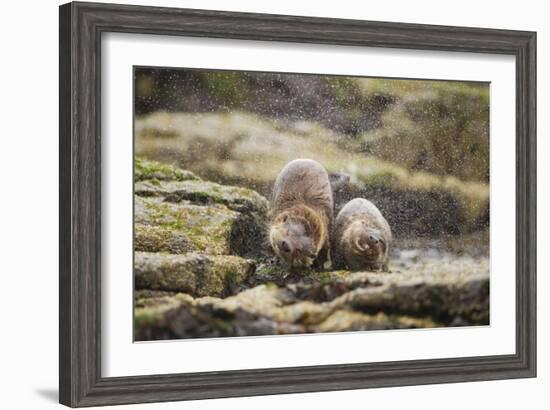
x=81 y=27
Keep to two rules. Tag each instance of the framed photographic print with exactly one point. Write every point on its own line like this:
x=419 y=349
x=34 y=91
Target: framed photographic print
x=262 y=204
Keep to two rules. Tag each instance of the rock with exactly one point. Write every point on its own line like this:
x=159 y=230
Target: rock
x=345 y=321
x=442 y=296
x=176 y=212
x=261 y=300
x=153 y=170
x=142 y=296
x=193 y=273
x=192 y=322
x=149 y=312
x=162 y=239
x=203 y=192
x=186 y=227
x=349 y=301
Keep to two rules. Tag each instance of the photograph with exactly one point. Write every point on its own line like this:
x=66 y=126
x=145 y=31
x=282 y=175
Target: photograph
x=270 y=203
x=278 y=201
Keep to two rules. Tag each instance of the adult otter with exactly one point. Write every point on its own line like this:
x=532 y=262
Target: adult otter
x=362 y=237
x=301 y=214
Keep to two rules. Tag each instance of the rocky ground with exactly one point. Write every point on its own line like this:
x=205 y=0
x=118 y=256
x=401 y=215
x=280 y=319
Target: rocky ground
x=203 y=269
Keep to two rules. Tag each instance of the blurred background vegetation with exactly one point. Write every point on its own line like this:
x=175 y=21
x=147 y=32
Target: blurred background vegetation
x=419 y=149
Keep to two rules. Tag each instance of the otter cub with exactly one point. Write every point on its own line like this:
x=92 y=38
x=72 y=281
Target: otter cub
x=362 y=236
x=301 y=214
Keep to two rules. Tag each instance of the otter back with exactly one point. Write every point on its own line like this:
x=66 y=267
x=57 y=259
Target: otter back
x=303 y=181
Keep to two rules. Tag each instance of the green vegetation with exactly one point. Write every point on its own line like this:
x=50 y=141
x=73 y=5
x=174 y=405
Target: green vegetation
x=203 y=228
x=155 y=171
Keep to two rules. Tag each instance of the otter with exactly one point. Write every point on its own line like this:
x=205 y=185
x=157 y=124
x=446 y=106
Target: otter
x=362 y=237
x=301 y=215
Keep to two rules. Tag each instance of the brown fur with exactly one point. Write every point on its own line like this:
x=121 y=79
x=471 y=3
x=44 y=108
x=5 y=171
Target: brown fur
x=362 y=237
x=301 y=214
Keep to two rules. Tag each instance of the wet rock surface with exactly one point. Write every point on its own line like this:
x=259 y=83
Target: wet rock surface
x=202 y=269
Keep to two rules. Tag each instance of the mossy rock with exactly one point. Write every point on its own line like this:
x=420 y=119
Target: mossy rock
x=349 y=320
x=149 y=311
x=145 y=317
x=182 y=227
x=189 y=321
x=144 y=295
x=193 y=273
x=149 y=238
x=450 y=298
x=204 y=193
x=156 y=171
x=447 y=295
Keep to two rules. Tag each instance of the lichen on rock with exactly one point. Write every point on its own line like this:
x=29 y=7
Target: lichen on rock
x=204 y=192
x=150 y=238
x=163 y=225
x=193 y=273
x=185 y=226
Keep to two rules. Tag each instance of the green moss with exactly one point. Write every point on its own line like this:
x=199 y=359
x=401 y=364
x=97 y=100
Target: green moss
x=232 y=272
x=155 y=171
x=154 y=181
x=206 y=228
x=150 y=238
x=271 y=270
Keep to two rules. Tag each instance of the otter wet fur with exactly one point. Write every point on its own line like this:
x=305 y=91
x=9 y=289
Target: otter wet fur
x=362 y=237
x=301 y=215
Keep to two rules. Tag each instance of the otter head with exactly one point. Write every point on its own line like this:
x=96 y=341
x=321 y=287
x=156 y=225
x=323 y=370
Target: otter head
x=364 y=246
x=292 y=240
